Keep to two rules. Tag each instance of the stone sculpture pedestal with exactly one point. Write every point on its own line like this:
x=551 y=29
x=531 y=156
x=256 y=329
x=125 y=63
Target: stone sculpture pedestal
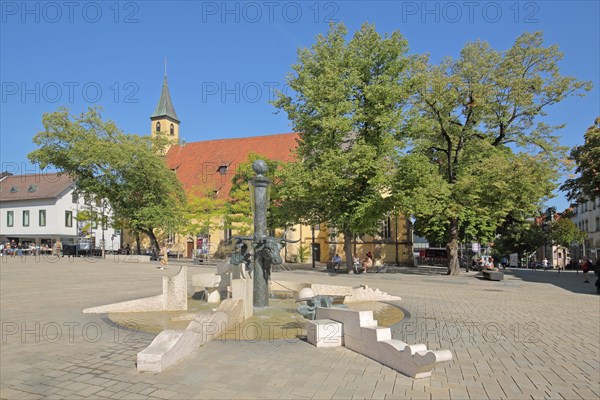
x=242 y=289
x=324 y=333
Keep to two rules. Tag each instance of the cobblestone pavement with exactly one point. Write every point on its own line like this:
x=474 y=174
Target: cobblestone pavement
x=534 y=335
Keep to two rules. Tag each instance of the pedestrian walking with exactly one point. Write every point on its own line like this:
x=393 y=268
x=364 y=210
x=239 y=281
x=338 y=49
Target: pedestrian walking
x=58 y=248
x=164 y=261
x=585 y=268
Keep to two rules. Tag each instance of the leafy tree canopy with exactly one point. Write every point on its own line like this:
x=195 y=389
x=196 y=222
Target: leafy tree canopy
x=564 y=232
x=124 y=169
x=348 y=105
x=238 y=208
x=204 y=211
x=586 y=186
x=474 y=119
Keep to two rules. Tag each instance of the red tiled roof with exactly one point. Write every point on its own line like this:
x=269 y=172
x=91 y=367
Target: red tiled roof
x=198 y=163
x=33 y=186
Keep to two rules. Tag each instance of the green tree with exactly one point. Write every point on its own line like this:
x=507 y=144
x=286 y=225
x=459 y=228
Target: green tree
x=474 y=120
x=564 y=232
x=348 y=107
x=204 y=211
x=586 y=186
x=238 y=209
x=143 y=193
x=519 y=235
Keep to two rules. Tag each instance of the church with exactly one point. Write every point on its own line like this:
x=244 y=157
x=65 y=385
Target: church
x=212 y=163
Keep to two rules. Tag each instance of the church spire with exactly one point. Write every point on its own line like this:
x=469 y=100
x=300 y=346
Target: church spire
x=164 y=120
x=165 y=105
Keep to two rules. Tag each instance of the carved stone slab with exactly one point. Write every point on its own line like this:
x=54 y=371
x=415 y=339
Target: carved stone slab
x=362 y=335
x=358 y=294
x=364 y=293
x=170 y=346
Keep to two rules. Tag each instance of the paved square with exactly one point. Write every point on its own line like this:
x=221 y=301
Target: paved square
x=533 y=335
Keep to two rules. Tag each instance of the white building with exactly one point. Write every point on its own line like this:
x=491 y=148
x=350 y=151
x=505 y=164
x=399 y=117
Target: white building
x=42 y=208
x=586 y=217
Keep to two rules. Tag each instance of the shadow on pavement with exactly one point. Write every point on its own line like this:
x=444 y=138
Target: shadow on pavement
x=425 y=270
x=568 y=280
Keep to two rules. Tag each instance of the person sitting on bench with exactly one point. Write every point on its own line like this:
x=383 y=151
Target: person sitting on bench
x=336 y=262
x=368 y=263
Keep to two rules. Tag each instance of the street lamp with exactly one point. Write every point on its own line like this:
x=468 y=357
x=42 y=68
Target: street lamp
x=312 y=244
x=549 y=217
x=545 y=228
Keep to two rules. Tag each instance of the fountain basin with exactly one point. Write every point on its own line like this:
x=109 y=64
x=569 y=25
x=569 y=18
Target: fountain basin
x=280 y=320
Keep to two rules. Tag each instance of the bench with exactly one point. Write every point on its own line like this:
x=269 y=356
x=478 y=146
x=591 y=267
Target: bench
x=493 y=275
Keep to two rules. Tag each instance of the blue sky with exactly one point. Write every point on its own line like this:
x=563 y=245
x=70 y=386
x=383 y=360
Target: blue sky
x=226 y=58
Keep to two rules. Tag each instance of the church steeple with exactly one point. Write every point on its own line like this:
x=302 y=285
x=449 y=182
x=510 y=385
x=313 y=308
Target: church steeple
x=164 y=120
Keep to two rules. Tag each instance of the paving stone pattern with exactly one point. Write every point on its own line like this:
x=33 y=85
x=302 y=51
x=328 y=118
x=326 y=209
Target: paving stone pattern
x=534 y=335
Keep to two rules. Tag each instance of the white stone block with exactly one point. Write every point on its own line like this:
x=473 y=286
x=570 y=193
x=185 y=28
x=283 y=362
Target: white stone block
x=352 y=320
x=175 y=291
x=324 y=333
x=241 y=289
x=213 y=297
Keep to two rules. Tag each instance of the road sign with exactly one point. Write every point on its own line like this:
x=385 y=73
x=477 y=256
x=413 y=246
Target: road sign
x=475 y=247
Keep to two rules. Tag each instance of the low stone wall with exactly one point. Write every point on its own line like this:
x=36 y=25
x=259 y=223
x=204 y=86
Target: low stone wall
x=131 y=258
x=173 y=298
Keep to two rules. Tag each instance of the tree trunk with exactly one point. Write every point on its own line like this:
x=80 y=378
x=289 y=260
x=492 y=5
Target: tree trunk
x=348 y=237
x=138 y=243
x=452 y=248
x=153 y=240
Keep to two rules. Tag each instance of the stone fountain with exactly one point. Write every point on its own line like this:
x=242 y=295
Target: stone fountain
x=249 y=288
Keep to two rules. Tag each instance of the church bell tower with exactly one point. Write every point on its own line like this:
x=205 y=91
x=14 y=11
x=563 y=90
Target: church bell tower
x=164 y=120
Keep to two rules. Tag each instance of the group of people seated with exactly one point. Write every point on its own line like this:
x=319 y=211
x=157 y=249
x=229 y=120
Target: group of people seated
x=358 y=267
x=484 y=264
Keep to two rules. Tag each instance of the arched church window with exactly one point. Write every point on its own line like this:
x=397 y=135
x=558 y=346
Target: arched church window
x=158 y=127
x=172 y=130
